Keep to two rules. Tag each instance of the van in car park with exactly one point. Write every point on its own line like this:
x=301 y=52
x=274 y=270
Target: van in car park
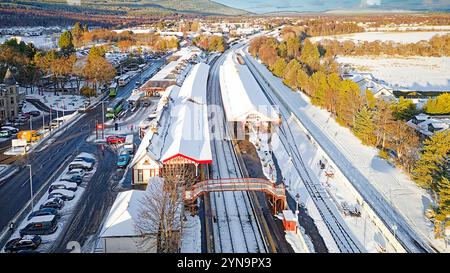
x=40 y=225
x=62 y=185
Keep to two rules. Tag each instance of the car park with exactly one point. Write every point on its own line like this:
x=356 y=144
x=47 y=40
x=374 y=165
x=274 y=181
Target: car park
x=40 y=225
x=62 y=185
x=65 y=195
x=28 y=242
x=42 y=212
x=56 y=203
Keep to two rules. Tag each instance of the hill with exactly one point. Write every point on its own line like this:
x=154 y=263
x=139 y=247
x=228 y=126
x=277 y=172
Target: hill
x=133 y=7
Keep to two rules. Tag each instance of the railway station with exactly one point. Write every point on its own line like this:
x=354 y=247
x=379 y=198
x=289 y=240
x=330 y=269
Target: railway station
x=246 y=107
x=178 y=140
x=173 y=73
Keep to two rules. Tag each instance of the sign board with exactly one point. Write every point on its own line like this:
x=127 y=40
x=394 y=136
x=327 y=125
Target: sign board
x=19 y=143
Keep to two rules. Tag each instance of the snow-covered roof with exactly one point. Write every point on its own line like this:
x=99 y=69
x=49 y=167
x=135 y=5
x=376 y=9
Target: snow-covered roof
x=183 y=54
x=122 y=216
x=241 y=94
x=189 y=132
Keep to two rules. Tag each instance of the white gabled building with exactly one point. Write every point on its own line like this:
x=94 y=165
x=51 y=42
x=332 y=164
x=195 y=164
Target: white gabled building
x=180 y=133
x=245 y=105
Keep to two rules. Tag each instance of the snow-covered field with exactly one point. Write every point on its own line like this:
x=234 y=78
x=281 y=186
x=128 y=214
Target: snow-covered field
x=41 y=42
x=60 y=102
x=421 y=73
x=398 y=37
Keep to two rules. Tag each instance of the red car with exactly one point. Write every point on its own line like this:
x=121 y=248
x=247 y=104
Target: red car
x=115 y=139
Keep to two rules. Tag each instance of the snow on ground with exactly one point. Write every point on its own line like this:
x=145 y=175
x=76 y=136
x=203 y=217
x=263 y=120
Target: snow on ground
x=398 y=37
x=65 y=213
x=393 y=184
x=416 y=73
x=407 y=28
x=294 y=240
x=191 y=239
x=28 y=107
x=60 y=102
x=41 y=42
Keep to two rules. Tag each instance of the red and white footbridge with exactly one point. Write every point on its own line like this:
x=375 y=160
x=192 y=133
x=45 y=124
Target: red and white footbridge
x=276 y=193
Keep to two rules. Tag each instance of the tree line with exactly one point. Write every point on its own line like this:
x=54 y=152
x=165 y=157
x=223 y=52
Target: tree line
x=437 y=46
x=375 y=121
x=210 y=43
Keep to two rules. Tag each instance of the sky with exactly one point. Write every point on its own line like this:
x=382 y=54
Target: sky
x=264 y=6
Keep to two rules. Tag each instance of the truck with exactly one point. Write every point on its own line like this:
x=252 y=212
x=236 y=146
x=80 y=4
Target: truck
x=29 y=135
x=129 y=144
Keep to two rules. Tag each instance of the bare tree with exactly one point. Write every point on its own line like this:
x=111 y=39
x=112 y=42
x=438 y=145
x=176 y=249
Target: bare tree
x=161 y=216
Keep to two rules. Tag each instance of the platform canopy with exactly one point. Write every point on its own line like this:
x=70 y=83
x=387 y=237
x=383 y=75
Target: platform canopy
x=188 y=134
x=242 y=97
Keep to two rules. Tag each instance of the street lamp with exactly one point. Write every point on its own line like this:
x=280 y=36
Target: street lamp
x=31 y=187
x=103 y=119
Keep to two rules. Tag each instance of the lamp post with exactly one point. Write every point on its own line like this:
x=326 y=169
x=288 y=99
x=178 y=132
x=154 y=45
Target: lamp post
x=103 y=119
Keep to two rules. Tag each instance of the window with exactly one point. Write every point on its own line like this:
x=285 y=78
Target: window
x=140 y=176
x=12 y=113
x=2 y=102
x=12 y=100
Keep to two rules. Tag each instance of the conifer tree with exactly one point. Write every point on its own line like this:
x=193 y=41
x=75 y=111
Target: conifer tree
x=364 y=126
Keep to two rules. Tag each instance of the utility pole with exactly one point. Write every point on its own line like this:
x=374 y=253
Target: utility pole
x=103 y=119
x=31 y=128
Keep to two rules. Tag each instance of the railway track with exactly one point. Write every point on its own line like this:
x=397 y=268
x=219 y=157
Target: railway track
x=235 y=228
x=343 y=238
x=387 y=214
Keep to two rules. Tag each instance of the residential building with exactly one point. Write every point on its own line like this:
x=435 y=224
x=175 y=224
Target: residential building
x=9 y=96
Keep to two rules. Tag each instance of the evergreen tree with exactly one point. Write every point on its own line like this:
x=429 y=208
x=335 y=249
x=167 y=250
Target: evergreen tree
x=303 y=81
x=364 y=126
x=404 y=109
x=319 y=87
x=439 y=105
x=370 y=99
x=434 y=161
x=279 y=67
x=290 y=76
x=310 y=55
x=65 y=43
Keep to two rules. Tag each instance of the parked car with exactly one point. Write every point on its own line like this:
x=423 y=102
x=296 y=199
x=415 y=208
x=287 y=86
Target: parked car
x=79 y=172
x=123 y=160
x=40 y=225
x=12 y=130
x=115 y=139
x=72 y=178
x=42 y=212
x=33 y=113
x=5 y=134
x=83 y=158
x=81 y=165
x=28 y=242
x=62 y=185
x=55 y=203
x=65 y=195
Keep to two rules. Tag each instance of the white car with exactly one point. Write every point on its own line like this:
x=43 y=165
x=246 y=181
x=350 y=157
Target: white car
x=62 y=185
x=65 y=195
x=88 y=166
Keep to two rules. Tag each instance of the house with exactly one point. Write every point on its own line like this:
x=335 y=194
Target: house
x=9 y=96
x=427 y=125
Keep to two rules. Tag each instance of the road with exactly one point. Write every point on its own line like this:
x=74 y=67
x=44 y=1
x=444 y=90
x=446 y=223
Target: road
x=46 y=164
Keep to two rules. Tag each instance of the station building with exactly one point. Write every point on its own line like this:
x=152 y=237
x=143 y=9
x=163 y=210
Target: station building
x=178 y=139
x=246 y=107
